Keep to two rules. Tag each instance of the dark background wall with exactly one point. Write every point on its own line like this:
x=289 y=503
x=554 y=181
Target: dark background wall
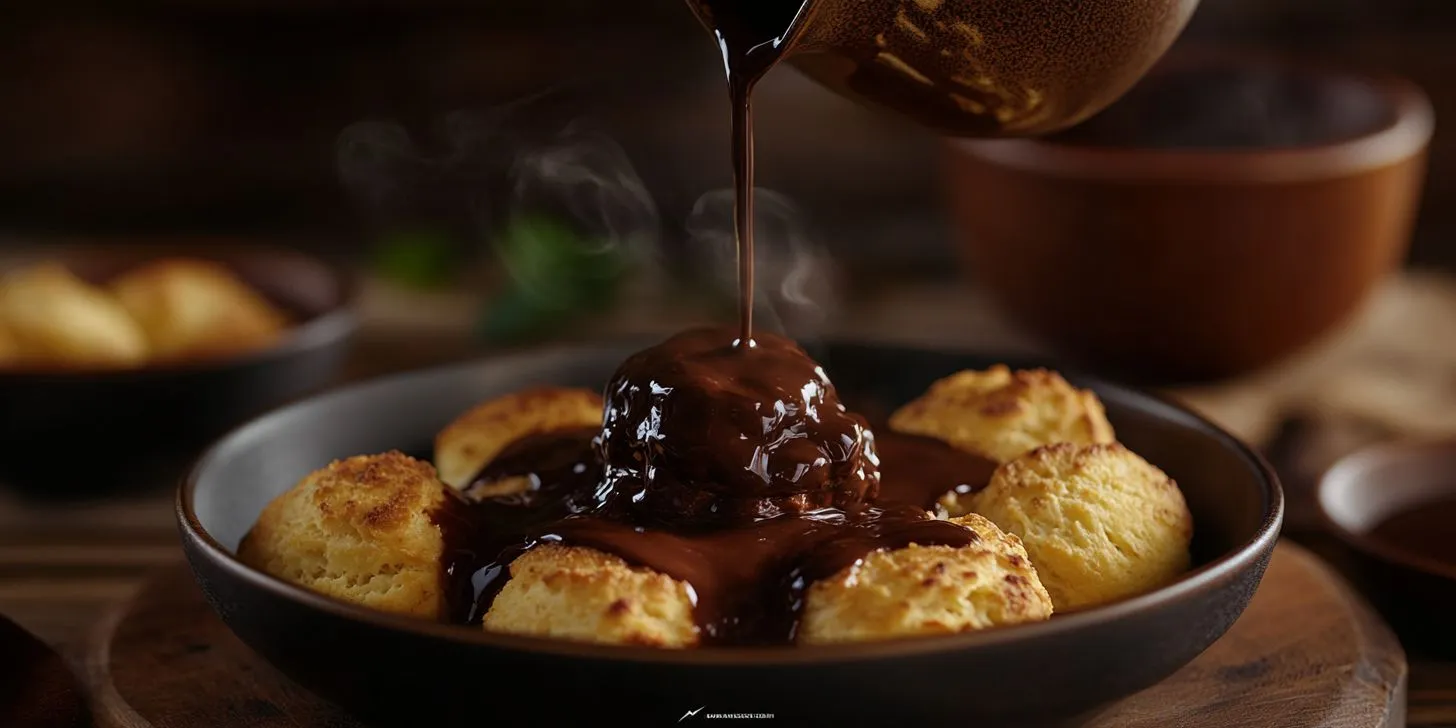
x=223 y=116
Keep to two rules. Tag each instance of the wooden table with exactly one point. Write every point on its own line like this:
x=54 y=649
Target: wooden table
x=63 y=565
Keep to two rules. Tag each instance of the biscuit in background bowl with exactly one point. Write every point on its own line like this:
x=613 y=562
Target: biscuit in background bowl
x=140 y=422
x=52 y=318
x=9 y=347
x=190 y=308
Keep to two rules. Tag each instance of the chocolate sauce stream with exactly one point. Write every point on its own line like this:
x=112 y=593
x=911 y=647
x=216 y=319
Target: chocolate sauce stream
x=752 y=36
x=743 y=205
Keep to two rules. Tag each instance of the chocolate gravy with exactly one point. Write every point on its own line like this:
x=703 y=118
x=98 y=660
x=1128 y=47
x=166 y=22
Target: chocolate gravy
x=726 y=462
x=1424 y=530
x=919 y=470
x=736 y=470
x=699 y=430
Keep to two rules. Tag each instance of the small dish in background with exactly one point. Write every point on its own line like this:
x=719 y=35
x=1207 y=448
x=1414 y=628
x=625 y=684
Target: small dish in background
x=77 y=429
x=1394 y=509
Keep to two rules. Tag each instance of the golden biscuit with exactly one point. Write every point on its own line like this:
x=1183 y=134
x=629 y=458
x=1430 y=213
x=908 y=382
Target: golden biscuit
x=56 y=319
x=195 y=308
x=585 y=595
x=924 y=590
x=9 y=347
x=1001 y=414
x=1099 y=522
x=476 y=437
x=360 y=530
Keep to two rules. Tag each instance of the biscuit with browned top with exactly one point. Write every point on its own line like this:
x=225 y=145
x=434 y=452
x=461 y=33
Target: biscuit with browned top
x=477 y=436
x=923 y=590
x=360 y=530
x=1000 y=414
x=585 y=595
x=1099 y=522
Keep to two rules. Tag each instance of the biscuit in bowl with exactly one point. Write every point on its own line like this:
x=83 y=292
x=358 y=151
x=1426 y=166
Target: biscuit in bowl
x=1000 y=414
x=1099 y=522
x=360 y=530
x=197 y=309
x=582 y=594
x=923 y=590
x=474 y=438
x=9 y=347
x=535 y=526
x=56 y=319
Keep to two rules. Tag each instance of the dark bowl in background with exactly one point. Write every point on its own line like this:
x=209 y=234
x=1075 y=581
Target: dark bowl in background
x=1415 y=592
x=1225 y=214
x=70 y=432
x=402 y=671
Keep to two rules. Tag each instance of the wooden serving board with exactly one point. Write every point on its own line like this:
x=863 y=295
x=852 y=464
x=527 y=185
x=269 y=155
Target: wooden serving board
x=1307 y=653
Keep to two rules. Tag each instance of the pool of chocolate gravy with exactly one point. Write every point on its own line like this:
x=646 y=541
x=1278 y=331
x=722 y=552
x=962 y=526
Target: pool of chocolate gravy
x=736 y=470
x=1423 y=530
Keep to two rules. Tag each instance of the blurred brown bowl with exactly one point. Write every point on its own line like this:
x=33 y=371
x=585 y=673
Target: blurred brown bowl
x=82 y=430
x=1225 y=214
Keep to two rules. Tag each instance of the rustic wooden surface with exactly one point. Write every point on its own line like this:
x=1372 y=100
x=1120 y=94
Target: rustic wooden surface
x=37 y=688
x=1306 y=654
x=65 y=562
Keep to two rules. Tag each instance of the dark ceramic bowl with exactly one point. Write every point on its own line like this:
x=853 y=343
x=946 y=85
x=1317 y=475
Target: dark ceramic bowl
x=401 y=671
x=105 y=424
x=1225 y=214
x=1416 y=592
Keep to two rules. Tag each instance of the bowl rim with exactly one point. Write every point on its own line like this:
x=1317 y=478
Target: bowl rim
x=1355 y=468
x=1224 y=567
x=318 y=330
x=1406 y=135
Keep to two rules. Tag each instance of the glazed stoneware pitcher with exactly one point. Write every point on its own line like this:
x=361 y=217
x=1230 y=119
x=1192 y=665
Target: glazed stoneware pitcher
x=981 y=68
